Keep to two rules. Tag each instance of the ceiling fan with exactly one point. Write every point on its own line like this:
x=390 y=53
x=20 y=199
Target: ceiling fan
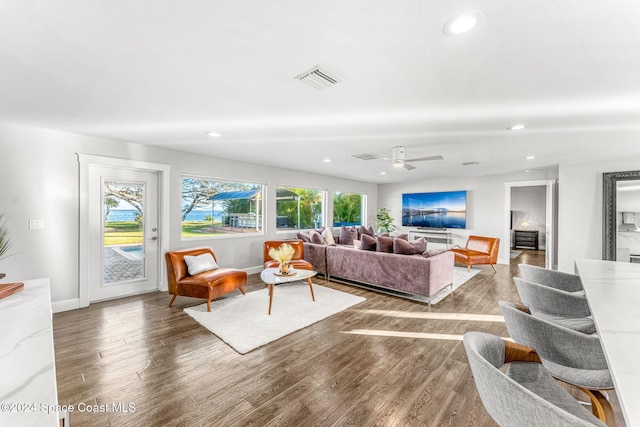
x=398 y=158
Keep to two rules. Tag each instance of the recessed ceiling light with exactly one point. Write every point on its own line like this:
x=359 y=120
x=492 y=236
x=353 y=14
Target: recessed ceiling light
x=214 y=134
x=518 y=126
x=383 y=173
x=462 y=23
x=326 y=160
x=530 y=157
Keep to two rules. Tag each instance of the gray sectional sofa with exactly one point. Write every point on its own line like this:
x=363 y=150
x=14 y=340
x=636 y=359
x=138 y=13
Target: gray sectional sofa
x=410 y=276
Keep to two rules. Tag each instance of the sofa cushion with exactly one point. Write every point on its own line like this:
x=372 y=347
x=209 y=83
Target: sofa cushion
x=384 y=244
x=328 y=237
x=432 y=252
x=405 y=247
x=403 y=236
x=303 y=236
x=366 y=230
x=348 y=235
x=368 y=243
x=317 y=238
x=200 y=263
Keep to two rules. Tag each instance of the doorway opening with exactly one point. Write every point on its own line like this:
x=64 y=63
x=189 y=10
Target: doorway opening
x=123 y=211
x=531 y=219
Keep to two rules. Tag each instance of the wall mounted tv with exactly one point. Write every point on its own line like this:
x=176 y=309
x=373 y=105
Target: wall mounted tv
x=447 y=209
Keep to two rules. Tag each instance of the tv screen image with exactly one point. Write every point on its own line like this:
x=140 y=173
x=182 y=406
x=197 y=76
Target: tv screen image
x=446 y=209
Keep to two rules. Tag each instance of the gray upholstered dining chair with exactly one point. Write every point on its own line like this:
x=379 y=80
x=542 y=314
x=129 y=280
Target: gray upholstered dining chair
x=556 y=279
x=524 y=394
x=555 y=305
x=568 y=355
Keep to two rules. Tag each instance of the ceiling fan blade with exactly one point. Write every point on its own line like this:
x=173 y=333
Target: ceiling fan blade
x=420 y=159
x=407 y=166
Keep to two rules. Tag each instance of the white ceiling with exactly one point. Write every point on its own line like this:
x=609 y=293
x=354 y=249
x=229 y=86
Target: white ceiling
x=164 y=72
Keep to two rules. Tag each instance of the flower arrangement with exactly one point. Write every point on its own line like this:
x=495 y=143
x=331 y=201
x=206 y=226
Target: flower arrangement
x=283 y=255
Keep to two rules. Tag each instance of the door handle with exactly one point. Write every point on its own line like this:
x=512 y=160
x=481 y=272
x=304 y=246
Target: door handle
x=154 y=238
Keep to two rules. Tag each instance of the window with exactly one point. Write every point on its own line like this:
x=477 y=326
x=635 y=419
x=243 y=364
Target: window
x=348 y=209
x=299 y=208
x=213 y=207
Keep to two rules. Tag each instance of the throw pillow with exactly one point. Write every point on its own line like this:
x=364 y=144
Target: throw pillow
x=384 y=244
x=317 y=238
x=348 y=235
x=357 y=244
x=328 y=237
x=368 y=243
x=366 y=230
x=200 y=263
x=403 y=236
x=304 y=237
x=321 y=230
x=404 y=247
x=432 y=252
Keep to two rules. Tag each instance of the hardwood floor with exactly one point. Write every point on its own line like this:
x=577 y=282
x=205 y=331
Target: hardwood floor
x=174 y=372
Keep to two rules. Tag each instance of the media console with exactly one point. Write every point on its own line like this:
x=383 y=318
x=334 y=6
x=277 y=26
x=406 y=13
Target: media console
x=438 y=237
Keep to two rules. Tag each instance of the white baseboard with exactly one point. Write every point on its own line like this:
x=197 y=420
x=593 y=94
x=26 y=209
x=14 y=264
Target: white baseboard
x=73 y=304
x=66 y=305
x=254 y=270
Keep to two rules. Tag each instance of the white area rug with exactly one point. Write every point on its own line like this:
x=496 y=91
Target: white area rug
x=460 y=277
x=515 y=254
x=243 y=323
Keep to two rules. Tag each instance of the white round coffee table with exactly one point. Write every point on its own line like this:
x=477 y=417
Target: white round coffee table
x=270 y=277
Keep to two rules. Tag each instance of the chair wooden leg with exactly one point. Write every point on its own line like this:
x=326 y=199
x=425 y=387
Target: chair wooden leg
x=242 y=290
x=600 y=406
x=468 y=268
x=209 y=305
x=494 y=269
x=172 y=300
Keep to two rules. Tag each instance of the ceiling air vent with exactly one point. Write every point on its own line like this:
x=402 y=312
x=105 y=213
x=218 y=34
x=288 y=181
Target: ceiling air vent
x=318 y=78
x=470 y=163
x=364 y=156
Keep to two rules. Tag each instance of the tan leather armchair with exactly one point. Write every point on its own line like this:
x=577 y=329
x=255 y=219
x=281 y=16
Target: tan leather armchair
x=206 y=285
x=297 y=262
x=479 y=250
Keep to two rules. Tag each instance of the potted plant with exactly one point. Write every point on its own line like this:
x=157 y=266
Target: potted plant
x=5 y=242
x=385 y=221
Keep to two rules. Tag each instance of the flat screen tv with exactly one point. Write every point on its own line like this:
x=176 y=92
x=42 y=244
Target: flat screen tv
x=446 y=209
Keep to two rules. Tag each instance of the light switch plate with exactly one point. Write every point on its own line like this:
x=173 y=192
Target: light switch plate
x=36 y=224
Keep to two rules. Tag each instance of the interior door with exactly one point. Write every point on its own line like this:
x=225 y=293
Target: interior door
x=123 y=232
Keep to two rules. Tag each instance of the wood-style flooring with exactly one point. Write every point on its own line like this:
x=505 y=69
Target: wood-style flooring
x=174 y=372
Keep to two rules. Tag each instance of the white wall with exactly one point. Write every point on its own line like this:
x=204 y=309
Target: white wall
x=39 y=180
x=485 y=203
x=580 y=213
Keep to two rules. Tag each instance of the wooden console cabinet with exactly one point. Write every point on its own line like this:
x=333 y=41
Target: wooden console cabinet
x=525 y=239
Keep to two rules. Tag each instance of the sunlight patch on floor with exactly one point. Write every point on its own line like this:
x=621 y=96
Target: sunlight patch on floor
x=401 y=334
x=436 y=316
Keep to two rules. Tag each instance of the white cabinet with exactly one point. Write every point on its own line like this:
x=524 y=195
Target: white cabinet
x=436 y=239
x=28 y=389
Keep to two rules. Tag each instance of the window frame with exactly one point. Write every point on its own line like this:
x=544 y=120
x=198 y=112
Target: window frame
x=363 y=208
x=263 y=192
x=323 y=209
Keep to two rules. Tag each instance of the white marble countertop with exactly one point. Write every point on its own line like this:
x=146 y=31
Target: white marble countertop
x=613 y=293
x=28 y=389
